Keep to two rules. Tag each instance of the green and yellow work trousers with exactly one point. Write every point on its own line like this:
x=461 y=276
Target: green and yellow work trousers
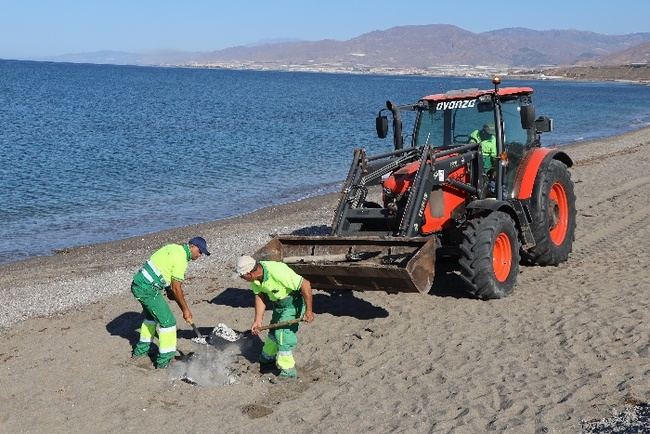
x=281 y=341
x=159 y=325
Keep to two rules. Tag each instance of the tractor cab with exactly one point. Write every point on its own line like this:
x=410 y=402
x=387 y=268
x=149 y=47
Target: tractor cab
x=501 y=120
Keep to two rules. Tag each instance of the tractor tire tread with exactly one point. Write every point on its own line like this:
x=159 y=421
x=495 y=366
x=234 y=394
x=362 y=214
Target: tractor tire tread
x=545 y=252
x=475 y=261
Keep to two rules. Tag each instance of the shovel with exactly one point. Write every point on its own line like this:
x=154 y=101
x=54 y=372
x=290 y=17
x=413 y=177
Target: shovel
x=228 y=334
x=199 y=339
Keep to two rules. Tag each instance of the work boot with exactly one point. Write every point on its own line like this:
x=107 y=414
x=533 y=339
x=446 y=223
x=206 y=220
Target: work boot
x=289 y=373
x=165 y=359
x=164 y=365
x=266 y=365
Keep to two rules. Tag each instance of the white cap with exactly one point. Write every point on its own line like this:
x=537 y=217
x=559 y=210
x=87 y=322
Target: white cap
x=245 y=264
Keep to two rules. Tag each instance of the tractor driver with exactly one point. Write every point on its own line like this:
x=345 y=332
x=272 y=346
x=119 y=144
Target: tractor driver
x=487 y=138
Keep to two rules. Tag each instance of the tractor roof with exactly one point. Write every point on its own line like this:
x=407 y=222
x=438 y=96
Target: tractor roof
x=475 y=93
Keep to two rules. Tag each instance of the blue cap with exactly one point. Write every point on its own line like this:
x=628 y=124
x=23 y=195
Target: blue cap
x=201 y=244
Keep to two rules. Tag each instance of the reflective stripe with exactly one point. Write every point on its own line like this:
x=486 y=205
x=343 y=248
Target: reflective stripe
x=163 y=350
x=156 y=342
x=146 y=275
x=154 y=269
x=285 y=360
x=147 y=330
x=167 y=339
x=152 y=275
x=158 y=273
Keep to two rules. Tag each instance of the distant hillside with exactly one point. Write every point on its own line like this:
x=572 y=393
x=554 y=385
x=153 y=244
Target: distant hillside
x=635 y=72
x=631 y=64
x=438 y=44
x=161 y=57
x=636 y=54
x=100 y=57
x=406 y=47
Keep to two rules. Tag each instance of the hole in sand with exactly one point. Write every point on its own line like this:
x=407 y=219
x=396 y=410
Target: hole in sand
x=255 y=411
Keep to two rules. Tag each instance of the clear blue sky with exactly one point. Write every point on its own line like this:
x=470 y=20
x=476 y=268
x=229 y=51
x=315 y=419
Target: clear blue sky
x=31 y=28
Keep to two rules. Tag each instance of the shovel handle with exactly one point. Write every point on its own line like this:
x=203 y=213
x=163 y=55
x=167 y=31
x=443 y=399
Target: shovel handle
x=280 y=324
x=196 y=330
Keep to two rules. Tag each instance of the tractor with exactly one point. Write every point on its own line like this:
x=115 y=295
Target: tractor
x=474 y=185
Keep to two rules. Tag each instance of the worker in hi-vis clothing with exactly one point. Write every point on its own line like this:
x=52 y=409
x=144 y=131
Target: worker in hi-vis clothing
x=291 y=296
x=164 y=270
x=488 y=140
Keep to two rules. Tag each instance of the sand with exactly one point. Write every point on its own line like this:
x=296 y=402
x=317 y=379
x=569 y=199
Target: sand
x=569 y=346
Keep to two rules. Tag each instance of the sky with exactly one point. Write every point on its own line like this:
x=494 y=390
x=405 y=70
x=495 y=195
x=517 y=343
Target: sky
x=41 y=28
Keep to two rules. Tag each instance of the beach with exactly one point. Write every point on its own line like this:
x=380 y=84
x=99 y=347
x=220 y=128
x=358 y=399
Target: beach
x=571 y=344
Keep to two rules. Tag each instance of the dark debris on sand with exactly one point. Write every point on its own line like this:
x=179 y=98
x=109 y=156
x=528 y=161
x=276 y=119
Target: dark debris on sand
x=633 y=419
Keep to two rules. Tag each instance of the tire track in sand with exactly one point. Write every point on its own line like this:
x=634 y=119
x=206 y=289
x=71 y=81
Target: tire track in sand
x=612 y=194
x=616 y=224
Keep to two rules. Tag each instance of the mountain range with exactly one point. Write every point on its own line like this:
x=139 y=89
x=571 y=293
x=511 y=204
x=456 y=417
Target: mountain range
x=422 y=47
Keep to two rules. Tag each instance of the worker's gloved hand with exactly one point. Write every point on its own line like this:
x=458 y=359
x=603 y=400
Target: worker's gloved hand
x=187 y=316
x=309 y=316
x=169 y=294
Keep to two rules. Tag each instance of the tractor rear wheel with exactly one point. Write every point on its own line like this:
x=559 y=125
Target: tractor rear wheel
x=553 y=208
x=489 y=260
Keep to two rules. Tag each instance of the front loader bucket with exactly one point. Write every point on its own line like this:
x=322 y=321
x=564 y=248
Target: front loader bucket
x=362 y=263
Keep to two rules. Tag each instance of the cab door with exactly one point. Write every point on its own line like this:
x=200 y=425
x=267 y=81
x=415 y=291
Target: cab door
x=517 y=141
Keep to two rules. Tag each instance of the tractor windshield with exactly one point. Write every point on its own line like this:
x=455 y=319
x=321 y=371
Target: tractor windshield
x=448 y=123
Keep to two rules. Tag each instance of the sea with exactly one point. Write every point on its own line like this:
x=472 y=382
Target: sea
x=95 y=153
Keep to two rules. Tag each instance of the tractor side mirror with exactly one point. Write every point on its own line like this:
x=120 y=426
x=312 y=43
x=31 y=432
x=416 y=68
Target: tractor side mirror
x=543 y=124
x=527 y=113
x=381 y=123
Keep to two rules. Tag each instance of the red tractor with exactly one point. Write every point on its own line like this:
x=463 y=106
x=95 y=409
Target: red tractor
x=475 y=185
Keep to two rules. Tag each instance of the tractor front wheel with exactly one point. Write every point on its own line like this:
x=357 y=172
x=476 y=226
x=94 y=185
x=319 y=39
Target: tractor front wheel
x=489 y=260
x=553 y=207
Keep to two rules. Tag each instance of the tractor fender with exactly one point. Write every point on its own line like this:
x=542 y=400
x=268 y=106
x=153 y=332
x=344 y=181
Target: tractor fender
x=530 y=166
x=509 y=208
x=493 y=205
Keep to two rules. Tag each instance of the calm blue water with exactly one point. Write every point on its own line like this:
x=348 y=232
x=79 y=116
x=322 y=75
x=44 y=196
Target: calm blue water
x=92 y=153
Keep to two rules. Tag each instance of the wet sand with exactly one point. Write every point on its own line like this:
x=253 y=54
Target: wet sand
x=571 y=343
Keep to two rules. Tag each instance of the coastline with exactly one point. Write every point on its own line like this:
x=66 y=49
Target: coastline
x=83 y=248
x=616 y=74
x=591 y=74
x=626 y=73
x=60 y=272
x=126 y=254
x=566 y=348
